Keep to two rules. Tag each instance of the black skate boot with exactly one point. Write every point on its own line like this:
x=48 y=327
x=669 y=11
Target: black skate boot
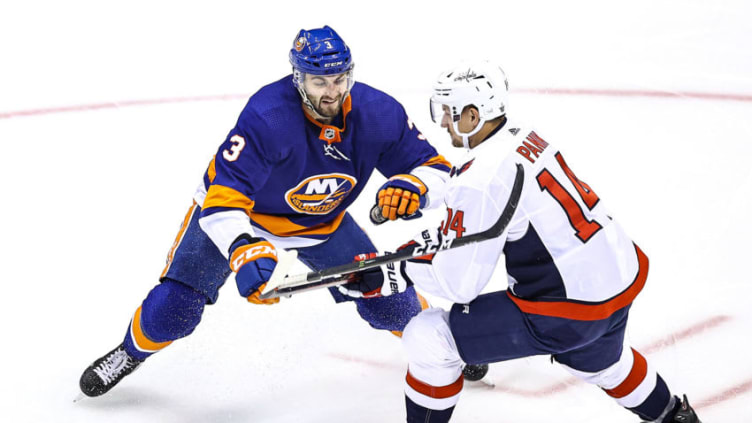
x=107 y=371
x=474 y=372
x=685 y=413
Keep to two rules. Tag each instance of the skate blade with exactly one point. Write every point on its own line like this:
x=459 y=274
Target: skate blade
x=79 y=397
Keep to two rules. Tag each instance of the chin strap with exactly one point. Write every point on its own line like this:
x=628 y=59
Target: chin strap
x=307 y=103
x=466 y=136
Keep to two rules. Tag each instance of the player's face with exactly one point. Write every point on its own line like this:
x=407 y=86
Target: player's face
x=326 y=92
x=465 y=125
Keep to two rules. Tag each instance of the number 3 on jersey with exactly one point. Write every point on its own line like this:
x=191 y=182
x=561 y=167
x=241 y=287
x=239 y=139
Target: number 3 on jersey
x=238 y=143
x=584 y=228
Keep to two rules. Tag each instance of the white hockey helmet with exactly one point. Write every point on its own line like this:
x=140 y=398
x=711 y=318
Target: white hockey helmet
x=479 y=84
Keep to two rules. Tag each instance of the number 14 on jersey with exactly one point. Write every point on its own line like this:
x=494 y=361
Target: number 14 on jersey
x=584 y=228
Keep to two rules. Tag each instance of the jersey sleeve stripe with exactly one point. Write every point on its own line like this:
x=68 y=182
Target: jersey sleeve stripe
x=588 y=312
x=222 y=196
x=411 y=179
x=438 y=162
x=211 y=172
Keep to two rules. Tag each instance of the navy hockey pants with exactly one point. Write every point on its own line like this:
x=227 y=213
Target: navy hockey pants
x=171 y=312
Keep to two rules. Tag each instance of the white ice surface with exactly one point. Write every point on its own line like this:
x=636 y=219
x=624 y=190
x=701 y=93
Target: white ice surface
x=92 y=199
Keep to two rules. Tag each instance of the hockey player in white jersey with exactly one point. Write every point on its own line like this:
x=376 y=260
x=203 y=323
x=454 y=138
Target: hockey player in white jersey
x=572 y=270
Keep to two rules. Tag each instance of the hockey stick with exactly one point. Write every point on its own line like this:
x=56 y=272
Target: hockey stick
x=289 y=285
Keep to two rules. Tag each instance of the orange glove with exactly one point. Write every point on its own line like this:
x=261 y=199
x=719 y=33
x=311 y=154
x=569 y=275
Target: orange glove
x=253 y=260
x=401 y=196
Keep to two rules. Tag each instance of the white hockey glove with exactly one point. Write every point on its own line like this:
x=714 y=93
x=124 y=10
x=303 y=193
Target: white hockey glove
x=426 y=244
x=380 y=281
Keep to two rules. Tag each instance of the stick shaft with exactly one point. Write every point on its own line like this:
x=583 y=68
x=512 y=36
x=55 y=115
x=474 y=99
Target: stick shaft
x=338 y=274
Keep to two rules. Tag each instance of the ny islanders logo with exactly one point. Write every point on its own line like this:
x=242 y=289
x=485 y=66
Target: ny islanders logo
x=320 y=194
x=300 y=43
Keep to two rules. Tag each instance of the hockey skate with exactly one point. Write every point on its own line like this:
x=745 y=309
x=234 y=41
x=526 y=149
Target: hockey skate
x=474 y=372
x=107 y=371
x=685 y=413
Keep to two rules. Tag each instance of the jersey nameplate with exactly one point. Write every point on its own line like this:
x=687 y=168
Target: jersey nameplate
x=532 y=147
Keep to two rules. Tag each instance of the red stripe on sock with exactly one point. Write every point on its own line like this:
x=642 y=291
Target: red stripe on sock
x=439 y=392
x=633 y=380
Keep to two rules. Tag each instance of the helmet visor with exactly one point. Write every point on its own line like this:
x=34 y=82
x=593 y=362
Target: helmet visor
x=439 y=109
x=299 y=77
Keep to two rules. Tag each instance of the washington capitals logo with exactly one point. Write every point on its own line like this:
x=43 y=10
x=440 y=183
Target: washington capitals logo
x=457 y=171
x=320 y=194
x=470 y=74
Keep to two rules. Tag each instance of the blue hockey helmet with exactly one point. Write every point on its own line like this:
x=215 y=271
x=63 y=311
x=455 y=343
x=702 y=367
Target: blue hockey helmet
x=320 y=51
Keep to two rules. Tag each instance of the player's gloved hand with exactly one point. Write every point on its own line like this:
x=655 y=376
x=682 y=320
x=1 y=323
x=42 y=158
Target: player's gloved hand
x=380 y=281
x=425 y=244
x=253 y=260
x=401 y=196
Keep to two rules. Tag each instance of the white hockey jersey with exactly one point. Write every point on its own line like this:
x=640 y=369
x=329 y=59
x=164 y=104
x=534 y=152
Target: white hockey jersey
x=565 y=256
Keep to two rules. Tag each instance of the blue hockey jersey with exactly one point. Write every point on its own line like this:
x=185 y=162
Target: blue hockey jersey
x=295 y=177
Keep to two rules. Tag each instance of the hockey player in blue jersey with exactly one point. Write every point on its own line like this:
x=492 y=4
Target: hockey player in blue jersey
x=301 y=152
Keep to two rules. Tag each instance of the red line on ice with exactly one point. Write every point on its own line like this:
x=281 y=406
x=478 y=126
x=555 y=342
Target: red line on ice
x=361 y=360
x=543 y=91
x=726 y=395
x=637 y=93
x=668 y=341
x=118 y=104
x=686 y=333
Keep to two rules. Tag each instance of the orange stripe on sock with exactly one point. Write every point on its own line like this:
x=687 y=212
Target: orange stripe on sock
x=142 y=342
x=633 y=380
x=439 y=392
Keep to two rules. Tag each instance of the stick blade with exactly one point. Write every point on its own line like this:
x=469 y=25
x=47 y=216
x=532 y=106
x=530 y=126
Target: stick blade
x=285 y=262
